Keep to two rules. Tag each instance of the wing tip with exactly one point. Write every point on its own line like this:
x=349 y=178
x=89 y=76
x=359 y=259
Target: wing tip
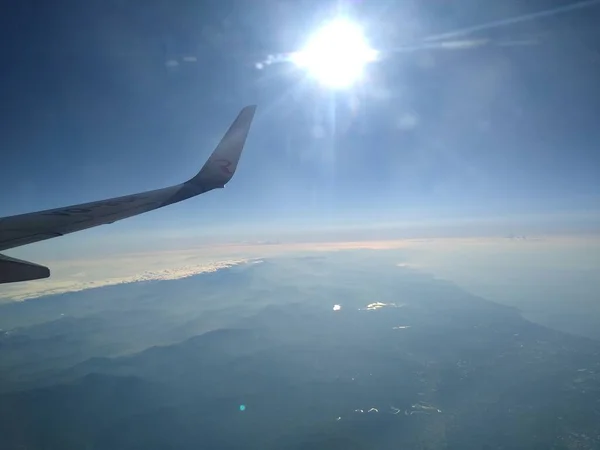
x=252 y=107
x=222 y=163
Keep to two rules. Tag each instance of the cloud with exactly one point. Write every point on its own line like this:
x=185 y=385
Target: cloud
x=74 y=283
x=74 y=274
x=468 y=261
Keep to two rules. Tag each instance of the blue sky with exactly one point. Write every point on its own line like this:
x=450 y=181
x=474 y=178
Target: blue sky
x=90 y=111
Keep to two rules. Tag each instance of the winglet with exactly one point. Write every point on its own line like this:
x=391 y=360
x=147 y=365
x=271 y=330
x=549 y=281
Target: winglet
x=221 y=165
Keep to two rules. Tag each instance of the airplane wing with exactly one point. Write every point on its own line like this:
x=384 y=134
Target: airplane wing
x=38 y=226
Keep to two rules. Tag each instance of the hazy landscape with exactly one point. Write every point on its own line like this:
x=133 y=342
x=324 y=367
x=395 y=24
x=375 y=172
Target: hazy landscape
x=350 y=349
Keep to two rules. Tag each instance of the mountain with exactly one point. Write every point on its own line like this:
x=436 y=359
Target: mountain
x=405 y=361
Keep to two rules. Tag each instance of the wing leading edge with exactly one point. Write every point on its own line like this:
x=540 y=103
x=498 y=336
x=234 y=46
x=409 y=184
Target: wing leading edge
x=38 y=226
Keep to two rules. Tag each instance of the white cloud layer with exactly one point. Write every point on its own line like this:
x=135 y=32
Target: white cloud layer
x=477 y=264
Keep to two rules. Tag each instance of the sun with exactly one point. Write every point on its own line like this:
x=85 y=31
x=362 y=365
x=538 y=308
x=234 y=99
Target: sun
x=336 y=55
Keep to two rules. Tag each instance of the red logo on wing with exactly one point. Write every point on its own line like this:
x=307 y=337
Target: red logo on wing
x=225 y=166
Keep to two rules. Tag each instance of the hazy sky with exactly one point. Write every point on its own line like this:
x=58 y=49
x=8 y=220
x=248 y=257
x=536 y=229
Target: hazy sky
x=90 y=109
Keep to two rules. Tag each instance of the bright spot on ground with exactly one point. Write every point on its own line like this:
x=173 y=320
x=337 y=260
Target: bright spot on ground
x=337 y=307
x=242 y=407
x=336 y=55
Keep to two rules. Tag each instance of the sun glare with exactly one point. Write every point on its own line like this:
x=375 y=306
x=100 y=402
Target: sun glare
x=336 y=55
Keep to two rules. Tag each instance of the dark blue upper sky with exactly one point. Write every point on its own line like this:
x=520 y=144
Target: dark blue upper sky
x=90 y=110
